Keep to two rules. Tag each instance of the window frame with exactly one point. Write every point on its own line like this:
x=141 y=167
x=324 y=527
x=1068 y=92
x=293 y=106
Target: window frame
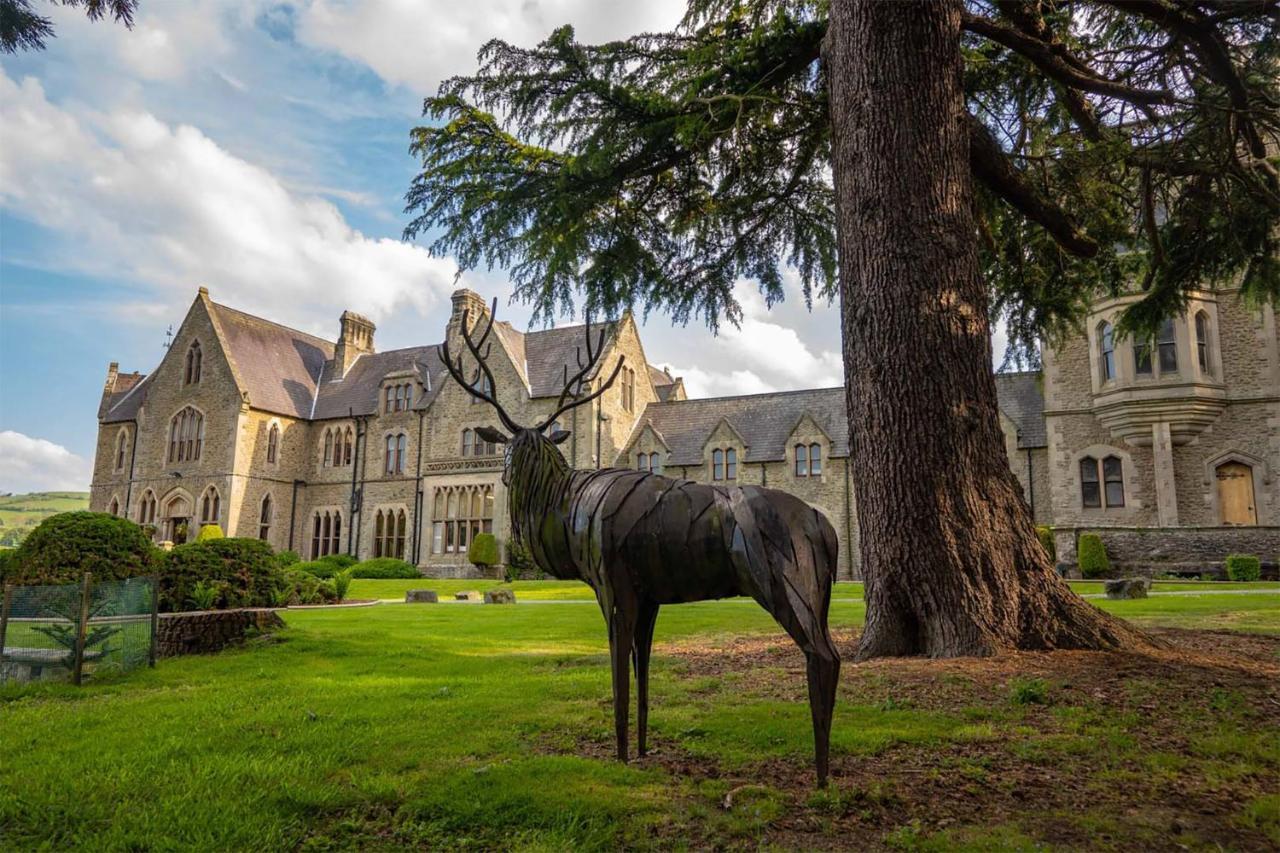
x=1107 y=351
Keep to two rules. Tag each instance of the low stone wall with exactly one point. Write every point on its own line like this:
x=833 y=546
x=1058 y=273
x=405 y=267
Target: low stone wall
x=211 y=630
x=1153 y=551
x=464 y=571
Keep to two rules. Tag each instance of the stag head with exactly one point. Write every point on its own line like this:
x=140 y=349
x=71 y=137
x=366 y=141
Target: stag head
x=574 y=392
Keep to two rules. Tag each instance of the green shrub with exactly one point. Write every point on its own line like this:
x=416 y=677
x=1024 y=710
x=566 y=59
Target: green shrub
x=287 y=558
x=1045 y=534
x=520 y=564
x=341 y=583
x=342 y=561
x=316 y=568
x=483 y=551
x=1094 y=562
x=65 y=546
x=8 y=563
x=1028 y=691
x=384 y=568
x=209 y=531
x=246 y=566
x=1243 y=567
x=301 y=587
x=204 y=595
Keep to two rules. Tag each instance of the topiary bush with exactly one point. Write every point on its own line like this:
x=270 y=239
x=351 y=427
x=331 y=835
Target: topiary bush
x=65 y=546
x=1045 y=534
x=483 y=551
x=1094 y=562
x=209 y=531
x=384 y=568
x=1243 y=567
x=243 y=570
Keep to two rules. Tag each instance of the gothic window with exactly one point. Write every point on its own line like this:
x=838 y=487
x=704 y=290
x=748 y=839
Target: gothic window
x=389 y=533
x=122 y=448
x=194 y=363
x=458 y=515
x=396 y=452
x=388 y=400
x=328 y=448
x=326 y=533
x=1107 y=351
x=115 y=506
x=210 y=506
x=802 y=460
x=724 y=464
x=346 y=446
x=484 y=385
x=1202 y=342
x=1167 y=345
x=273 y=443
x=147 y=508
x=264 y=518
x=808 y=460
x=815 y=460
x=1101 y=482
x=186 y=435
x=466 y=442
x=628 y=389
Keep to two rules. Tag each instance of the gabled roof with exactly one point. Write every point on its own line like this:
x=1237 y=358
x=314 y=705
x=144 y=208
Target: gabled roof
x=548 y=352
x=765 y=422
x=124 y=402
x=1022 y=399
x=277 y=366
x=357 y=392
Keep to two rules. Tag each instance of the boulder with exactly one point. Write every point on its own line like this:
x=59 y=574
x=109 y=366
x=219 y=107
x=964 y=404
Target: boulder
x=467 y=595
x=420 y=596
x=1128 y=588
x=499 y=596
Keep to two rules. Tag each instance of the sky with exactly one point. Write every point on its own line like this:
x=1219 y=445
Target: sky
x=261 y=149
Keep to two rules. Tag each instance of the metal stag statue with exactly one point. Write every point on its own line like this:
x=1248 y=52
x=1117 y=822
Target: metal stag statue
x=641 y=540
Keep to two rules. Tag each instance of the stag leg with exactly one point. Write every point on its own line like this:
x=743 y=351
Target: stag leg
x=824 y=673
x=621 y=640
x=640 y=657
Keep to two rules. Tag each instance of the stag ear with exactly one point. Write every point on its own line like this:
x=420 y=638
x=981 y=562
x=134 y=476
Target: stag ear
x=560 y=436
x=490 y=434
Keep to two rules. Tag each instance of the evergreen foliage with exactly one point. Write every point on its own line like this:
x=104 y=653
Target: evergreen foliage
x=65 y=546
x=22 y=28
x=1094 y=562
x=384 y=568
x=1243 y=567
x=209 y=531
x=242 y=570
x=1113 y=144
x=483 y=550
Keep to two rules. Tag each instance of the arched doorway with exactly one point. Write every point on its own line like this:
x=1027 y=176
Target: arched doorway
x=1235 y=494
x=176 y=518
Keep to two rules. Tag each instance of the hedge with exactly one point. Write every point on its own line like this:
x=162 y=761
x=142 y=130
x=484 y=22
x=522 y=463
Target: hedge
x=65 y=546
x=1243 y=567
x=483 y=550
x=317 y=568
x=1094 y=562
x=243 y=570
x=384 y=568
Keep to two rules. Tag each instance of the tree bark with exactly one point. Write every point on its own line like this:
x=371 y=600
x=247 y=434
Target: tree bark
x=949 y=553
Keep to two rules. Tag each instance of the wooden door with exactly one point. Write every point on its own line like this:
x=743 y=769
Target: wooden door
x=1235 y=494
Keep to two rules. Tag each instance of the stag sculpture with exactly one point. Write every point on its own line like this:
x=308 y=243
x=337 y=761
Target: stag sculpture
x=641 y=540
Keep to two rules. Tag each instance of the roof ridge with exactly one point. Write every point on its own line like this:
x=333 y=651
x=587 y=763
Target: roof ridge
x=605 y=324
x=747 y=396
x=249 y=316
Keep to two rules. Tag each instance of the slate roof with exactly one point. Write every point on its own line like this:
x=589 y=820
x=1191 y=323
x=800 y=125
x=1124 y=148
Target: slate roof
x=765 y=422
x=357 y=392
x=1022 y=399
x=663 y=383
x=548 y=352
x=123 y=404
x=278 y=366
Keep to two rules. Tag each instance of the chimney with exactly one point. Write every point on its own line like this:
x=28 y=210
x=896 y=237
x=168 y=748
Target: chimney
x=354 y=339
x=113 y=371
x=470 y=302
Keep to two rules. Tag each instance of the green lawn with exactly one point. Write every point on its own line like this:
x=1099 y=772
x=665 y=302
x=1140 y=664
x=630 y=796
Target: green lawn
x=456 y=726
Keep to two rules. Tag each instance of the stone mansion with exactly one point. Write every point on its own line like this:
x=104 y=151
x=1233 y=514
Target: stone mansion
x=1170 y=449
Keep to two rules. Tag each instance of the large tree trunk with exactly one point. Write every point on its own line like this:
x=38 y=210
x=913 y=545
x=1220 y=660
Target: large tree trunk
x=949 y=552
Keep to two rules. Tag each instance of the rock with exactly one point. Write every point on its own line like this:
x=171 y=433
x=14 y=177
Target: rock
x=499 y=596
x=420 y=596
x=1128 y=588
x=467 y=595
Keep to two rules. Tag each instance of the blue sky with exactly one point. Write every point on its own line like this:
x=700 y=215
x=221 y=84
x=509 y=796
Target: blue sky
x=260 y=149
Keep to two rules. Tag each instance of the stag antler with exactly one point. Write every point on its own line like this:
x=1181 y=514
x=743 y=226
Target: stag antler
x=455 y=368
x=573 y=387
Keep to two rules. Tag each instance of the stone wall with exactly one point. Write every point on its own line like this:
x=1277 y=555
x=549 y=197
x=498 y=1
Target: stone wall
x=211 y=630
x=1176 y=549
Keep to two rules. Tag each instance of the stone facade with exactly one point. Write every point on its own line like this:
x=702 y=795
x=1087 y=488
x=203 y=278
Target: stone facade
x=312 y=444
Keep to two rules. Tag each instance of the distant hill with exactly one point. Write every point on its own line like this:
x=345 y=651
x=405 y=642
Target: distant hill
x=20 y=513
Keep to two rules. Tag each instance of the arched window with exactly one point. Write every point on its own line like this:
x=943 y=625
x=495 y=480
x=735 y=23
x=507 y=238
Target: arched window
x=114 y=509
x=273 y=443
x=1202 y=342
x=264 y=518
x=401 y=526
x=815 y=460
x=649 y=462
x=1107 y=351
x=1167 y=344
x=724 y=464
x=802 y=460
x=396 y=453
x=328 y=448
x=389 y=534
x=628 y=389
x=122 y=448
x=1101 y=483
x=485 y=386
x=466 y=442
x=378 y=533
x=326 y=533
x=346 y=446
x=402 y=454
x=717 y=464
x=194 y=364
x=147 y=508
x=186 y=435
x=210 y=506
x=458 y=514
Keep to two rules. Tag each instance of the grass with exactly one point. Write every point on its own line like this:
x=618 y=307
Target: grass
x=18 y=512
x=453 y=726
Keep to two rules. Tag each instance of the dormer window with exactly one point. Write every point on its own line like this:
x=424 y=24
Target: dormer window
x=398 y=398
x=194 y=359
x=724 y=464
x=650 y=463
x=808 y=460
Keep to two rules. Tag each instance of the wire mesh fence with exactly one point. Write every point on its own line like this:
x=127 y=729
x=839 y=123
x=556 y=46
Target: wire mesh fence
x=71 y=632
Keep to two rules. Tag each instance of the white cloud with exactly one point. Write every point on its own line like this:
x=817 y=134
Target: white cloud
x=133 y=198
x=35 y=465
x=413 y=44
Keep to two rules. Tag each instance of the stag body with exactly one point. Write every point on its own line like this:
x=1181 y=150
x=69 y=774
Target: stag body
x=642 y=540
